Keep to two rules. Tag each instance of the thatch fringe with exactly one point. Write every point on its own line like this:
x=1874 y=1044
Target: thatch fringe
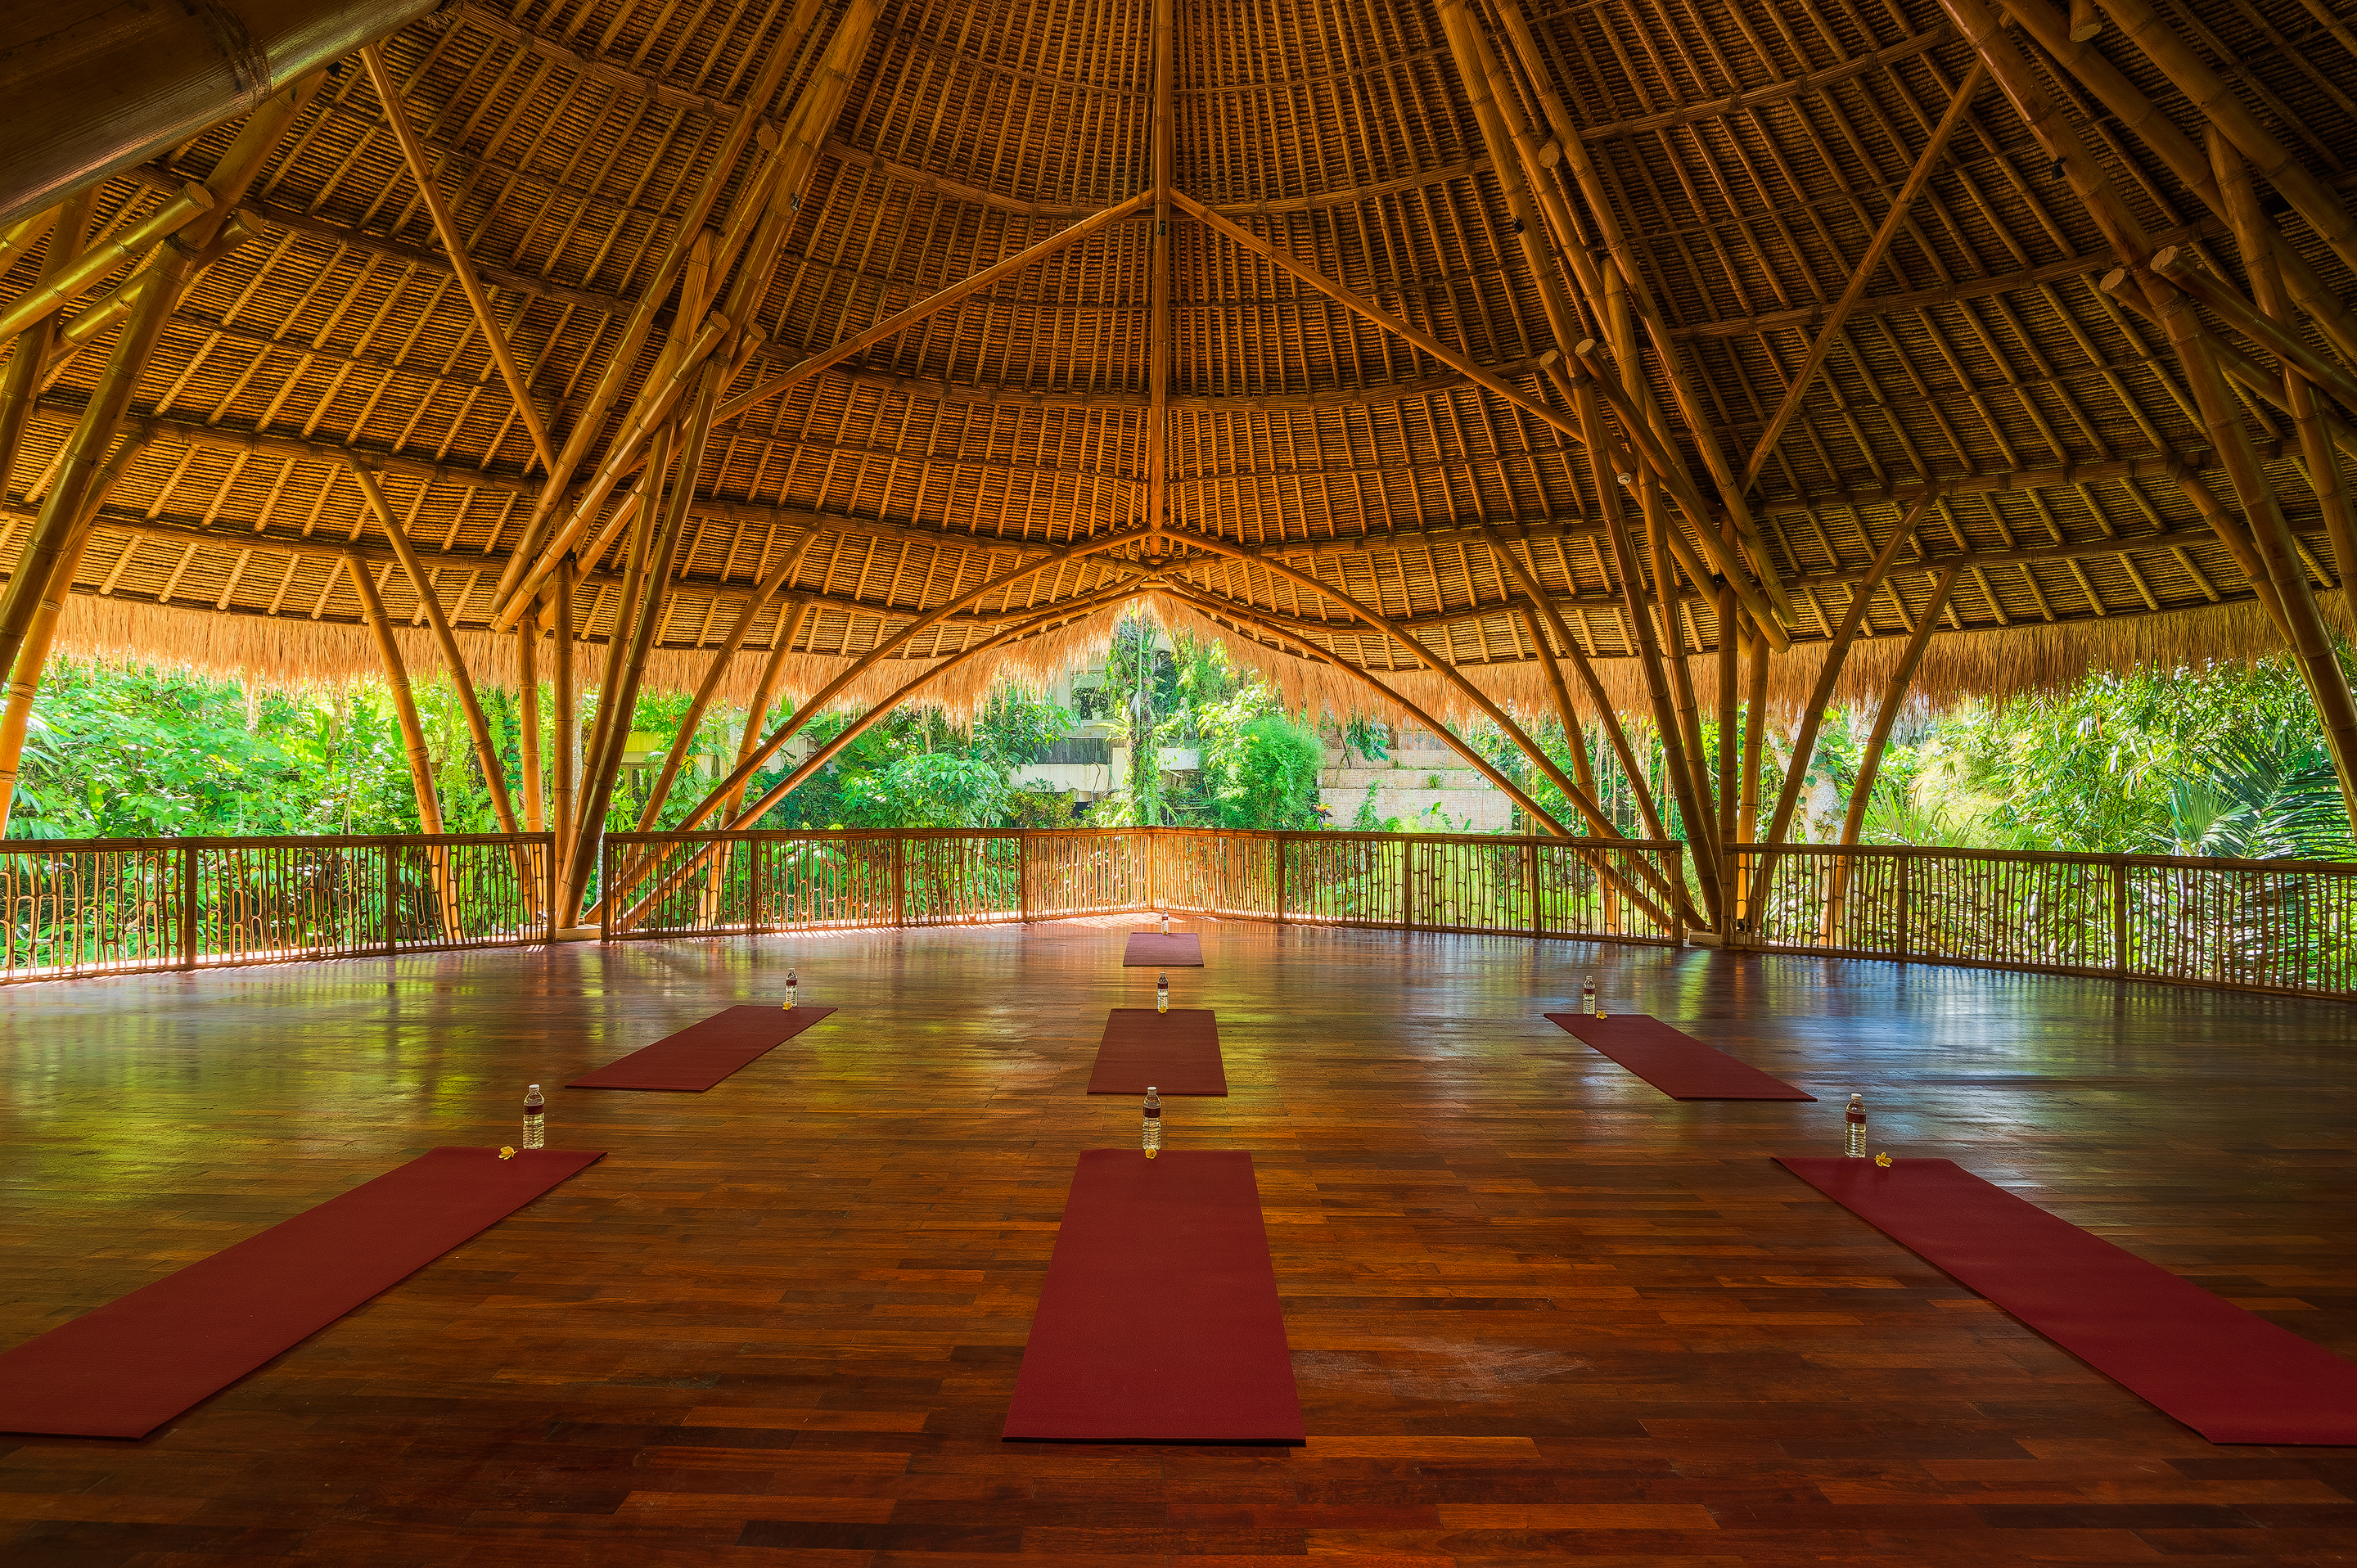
x=1993 y=663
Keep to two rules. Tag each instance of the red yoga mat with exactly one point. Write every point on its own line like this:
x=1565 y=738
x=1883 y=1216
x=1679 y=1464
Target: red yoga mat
x=1673 y=1061
x=1177 y=1052
x=703 y=1054
x=134 y=1364
x=2230 y=1376
x=1159 y=1320
x=1152 y=949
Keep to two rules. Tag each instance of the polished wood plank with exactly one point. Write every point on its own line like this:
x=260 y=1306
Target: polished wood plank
x=1535 y=1309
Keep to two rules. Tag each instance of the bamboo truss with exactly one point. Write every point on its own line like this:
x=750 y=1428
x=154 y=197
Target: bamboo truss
x=1343 y=322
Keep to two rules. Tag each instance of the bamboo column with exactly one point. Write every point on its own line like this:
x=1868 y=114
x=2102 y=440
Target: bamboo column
x=1812 y=717
x=564 y=728
x=1729 y=641
x=413 y=741
x=2256 y=236
x=714 y=674
x=1747 y=816
x=1615 y=735
x=26 y=682
x=1894 y=694
x=1705 y=830
x=528 y=719
x=478 y=727
x=69 y=224
x=2271 y=536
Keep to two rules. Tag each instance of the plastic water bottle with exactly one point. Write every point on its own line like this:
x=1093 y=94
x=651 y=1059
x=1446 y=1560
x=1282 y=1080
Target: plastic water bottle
x=536 y=1119
x=794 y=988
x=1166 y=923
x=1854 y=1128
x=1150 y=1136
x=1162 y=993
x=1587 y=997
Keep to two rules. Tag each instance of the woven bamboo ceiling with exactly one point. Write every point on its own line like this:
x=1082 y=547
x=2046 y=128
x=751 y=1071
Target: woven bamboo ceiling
x=1324 y=375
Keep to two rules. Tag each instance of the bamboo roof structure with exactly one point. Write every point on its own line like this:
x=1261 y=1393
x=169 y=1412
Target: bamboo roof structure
x=1380 y=336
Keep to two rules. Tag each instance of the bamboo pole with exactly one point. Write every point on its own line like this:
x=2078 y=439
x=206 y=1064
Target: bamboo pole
x=1615 y=733
x=413 y=743
x=1157 y=328
x=528 y=720
x=1061 y=614
x=1729 y=641
x=765 y=688
x=1812 y=717
x=453 y=245
x=622 y=364
x=26 y=681
x=1704 y=833
x=479 y=728
x=1701 y=424
x=712 y=676
x=2177 y=263
x=884 y=648
x=1920 y=177
x=900 y=321
x=1647 y=652
x=564 y=730
x=1541 y=617
x=1371 y=311
x=618 y=705
x=1671 y=473
x=1747 y=824
x=94 y=264
x=2255 y=235
x=2210 y=93
x=69 y=222
x=1894 y=694
x=2146 y=120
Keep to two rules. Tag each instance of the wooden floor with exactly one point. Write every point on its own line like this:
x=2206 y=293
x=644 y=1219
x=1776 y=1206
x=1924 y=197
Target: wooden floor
x=1536 y=1309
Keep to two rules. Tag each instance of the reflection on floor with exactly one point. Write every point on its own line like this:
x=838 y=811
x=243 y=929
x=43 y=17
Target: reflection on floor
x=1535 y=1307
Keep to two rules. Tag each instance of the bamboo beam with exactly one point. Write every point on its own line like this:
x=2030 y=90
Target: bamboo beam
x=1063 y=616
x=712 y=676
x=1879 y=246
x=454 y=244
x=674 y=372
x=2272 y=539
x=902 y=320
x=97 y=263
x=1541 y=617
x=1371 y=311
x=1701 y=425
x=1157 y=348
x=21 y=384
x=487 y=750
x=1729 y=644
x=1813 y=716
x=803 y=714
x=2179 y=266
x=25 y=683
x=1673 y=474
x=528 y=721
x=566 y=731
x=405 y=700
x=623 y=363
x=2144 y=119
x=2313 y=200
x=1774 y=92
x=618 y=705
x=1894 y=694
x=2256 y=236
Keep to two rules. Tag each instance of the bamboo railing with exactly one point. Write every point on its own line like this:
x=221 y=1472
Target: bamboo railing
x=87 y=907
x=679 y=884
x=2280 y=926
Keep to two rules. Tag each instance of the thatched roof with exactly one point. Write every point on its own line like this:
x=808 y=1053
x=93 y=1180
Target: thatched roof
x=1744 y=151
